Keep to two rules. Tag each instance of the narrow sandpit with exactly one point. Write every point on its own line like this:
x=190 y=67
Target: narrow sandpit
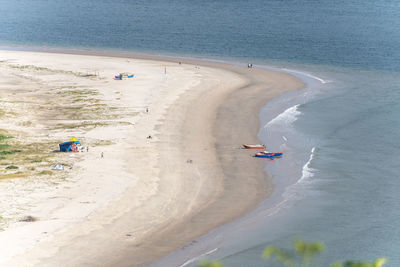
x=164 y=164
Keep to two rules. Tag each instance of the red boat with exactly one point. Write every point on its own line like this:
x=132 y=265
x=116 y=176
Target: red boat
x=258 y=146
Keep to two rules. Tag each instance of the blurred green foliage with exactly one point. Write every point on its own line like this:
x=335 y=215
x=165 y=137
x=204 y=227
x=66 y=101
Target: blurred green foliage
x=303 y=254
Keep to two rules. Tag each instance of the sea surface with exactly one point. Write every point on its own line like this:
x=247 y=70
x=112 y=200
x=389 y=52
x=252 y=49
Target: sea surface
x=339 y=180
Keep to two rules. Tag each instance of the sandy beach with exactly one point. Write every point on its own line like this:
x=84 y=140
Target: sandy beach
x=147 y=196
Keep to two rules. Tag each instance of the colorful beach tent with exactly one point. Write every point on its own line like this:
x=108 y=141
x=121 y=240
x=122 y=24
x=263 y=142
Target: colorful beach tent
x=66 y=146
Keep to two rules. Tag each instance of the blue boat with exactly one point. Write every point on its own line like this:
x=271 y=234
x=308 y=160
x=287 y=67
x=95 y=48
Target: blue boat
x=276 y=154
x=268 y=155
x=124 y=75
x=262 y=155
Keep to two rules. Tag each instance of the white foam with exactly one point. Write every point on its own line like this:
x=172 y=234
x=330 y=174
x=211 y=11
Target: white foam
x=308 y=75
x=307 y=171
x=286 y=118
x=198 y=257
x=293 y=191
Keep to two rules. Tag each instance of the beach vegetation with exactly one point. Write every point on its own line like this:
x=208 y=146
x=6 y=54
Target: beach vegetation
x=44 y=69
x=26 y=123
x=81 y=92
x=302 y=254
x=88 y=109
x=125 y=123
x=4 y=137
x=14 y=175
x=46 y=172
x=28 y=218
x=32 y=157
x=4 y=146
x=103 y=143
x=78 y=100
x=12 y=167
x=81 y=125
x=8 y=152
x=206 y=263
x=376 y=263
x=35 y=160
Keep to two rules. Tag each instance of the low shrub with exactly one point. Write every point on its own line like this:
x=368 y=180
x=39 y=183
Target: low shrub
x=12 y=167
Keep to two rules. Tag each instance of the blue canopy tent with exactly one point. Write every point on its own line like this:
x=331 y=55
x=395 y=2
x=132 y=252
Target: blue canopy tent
x=67 y=146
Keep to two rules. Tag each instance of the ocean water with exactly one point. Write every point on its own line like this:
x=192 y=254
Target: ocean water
x=339 y=179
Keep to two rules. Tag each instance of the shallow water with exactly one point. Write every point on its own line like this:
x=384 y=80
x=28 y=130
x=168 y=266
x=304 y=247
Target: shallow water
x=342 y=144
x=339 y=178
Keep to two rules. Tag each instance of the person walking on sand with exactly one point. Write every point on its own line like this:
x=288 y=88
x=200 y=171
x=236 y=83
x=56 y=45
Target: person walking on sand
x=87 y=149
x=102 y=155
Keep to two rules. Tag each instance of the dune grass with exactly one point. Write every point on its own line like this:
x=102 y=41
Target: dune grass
x=44 y=69
x=30 y=157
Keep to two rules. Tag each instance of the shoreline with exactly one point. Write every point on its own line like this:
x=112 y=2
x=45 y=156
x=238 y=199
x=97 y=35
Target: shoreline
x=217 y=115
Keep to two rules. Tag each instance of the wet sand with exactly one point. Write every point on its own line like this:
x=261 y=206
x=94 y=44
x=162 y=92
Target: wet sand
x=190 y=178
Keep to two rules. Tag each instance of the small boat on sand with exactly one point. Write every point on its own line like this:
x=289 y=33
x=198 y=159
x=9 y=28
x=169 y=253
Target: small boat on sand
x=276 y=154
x=269 y=155
x=124 y=75
x=262 y=155
x=258 y=146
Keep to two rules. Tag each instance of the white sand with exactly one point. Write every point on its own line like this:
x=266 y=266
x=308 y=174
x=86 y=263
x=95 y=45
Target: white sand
x=143 y=190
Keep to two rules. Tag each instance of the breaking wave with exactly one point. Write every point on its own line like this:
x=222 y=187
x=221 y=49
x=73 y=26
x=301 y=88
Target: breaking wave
x=307 y=171
x=308 y=75
x=287 y=117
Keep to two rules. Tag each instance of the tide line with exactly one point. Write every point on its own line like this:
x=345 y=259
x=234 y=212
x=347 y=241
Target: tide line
x=198 y=257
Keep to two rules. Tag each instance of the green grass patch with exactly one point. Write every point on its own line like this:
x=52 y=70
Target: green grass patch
x=45 y=172
x=4 y=137
x=9 y=152
x=12 y=167
x=37 y=68
x=79 y=92
x=78 y=100
x=4 y=146
x=81 y=125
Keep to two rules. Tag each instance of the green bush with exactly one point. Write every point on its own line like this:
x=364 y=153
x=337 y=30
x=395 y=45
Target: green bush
x=11 y=167
x=3 y=137
x=8 y=152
